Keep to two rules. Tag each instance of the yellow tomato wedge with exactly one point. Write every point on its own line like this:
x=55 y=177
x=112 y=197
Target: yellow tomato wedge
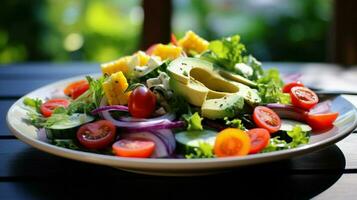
x=232 y=142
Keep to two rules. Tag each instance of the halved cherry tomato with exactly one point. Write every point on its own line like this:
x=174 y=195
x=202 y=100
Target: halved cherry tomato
x=303 y=97
x=319 y=122
x=231 y=142
x=96 y=135
x=142 y=102
x=151 y=49
x=259 y=139
x=287 y=87
x=173 y=39
x=134 y=148
x=77 y=88
x=49 y=106
x=266 y=118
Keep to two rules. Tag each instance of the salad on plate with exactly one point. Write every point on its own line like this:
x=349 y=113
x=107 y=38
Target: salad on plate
x=188 y=99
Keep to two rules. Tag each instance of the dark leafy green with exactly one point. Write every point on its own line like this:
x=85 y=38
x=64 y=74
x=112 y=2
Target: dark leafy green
x=297 y=135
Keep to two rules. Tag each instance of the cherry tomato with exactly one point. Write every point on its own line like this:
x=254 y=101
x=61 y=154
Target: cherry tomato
x=77 y=88
x=134 y=148
x=151 y=49
x=259 y=139
x=319 y=122
x=96 y=135
x=303 y=97
x=287 y=87
x=173 y=39
x=49 y=106
x=266 y=118
x=142 y=102
x=231 y=142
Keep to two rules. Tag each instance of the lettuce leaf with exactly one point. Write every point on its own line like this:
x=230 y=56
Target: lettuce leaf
x=270 y=88
x=205 y=150
x=297 y=135
x=226 y=52
x=194 y=122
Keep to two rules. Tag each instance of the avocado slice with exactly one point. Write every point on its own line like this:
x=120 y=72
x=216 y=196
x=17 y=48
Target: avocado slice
x=227 y=106
x=199 y=82
x=237 y=78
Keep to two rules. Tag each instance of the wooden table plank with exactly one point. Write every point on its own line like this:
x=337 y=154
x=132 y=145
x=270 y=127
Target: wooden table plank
x=4 y=107
x=344 y=188
x=254 y=186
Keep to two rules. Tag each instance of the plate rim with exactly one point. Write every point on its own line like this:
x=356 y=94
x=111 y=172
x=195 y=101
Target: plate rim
x=167 y=164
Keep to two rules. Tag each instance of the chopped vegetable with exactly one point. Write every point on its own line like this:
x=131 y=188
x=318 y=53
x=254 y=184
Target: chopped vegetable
x=287 y=87
x=76 y=89
x=320 y=122
x=266 y=118
x=134 y=148
x=49 y=106
x=269 y=87
x=96 y=135
x=298 y=137
x=115 y=89
x=194 y=122
x=165 y=52
x=192 y=43
x=142 y=102
x=232 y=142
x=235 y=123
x=303 y=97
x=259 y=139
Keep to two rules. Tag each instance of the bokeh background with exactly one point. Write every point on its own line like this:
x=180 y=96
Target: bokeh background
x=103 y=30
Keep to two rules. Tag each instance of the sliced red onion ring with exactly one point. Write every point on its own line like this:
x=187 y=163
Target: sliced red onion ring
x=150 y=126
x=321 y=108
x=169 y=138
x=168 y=116
x=109 y=108
x=161 y=149
x=289 y=111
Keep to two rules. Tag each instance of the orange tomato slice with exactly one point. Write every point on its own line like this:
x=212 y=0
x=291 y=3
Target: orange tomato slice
x=232 y=142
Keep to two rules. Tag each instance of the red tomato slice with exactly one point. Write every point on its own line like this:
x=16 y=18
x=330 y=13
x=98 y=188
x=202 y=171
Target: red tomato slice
x=320 y=122
x=266 y=118
x=96 y=135
x=142 y=102
x=49 y=106
x=150 y=49
x=287 y=87
x=134 y=148
x=77 y=88
x=259 y=139
x=173 y=39
x=303 y=97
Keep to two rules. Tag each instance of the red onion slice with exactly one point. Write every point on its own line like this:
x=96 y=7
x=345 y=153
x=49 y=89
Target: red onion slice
x=289 y=111
x=168 y=116
x=110 y=108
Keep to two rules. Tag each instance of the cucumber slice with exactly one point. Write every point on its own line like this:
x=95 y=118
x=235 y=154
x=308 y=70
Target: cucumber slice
x=67 y=129
x=288 y=125
x=192 y=139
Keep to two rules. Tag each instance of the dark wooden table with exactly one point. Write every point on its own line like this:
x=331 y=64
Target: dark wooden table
x=27 y=173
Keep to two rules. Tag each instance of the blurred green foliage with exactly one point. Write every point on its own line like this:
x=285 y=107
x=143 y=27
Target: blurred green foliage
x=276 y=30
x=103 y=30
x=92 y=30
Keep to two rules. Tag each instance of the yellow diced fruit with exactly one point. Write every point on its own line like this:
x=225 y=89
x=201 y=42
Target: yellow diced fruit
x=143 y=58
x=115 y=66
x=170 y=52
x=114 y=89
x=192 y=42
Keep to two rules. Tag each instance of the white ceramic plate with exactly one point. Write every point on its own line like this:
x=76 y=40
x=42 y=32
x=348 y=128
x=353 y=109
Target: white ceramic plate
x=344 y=125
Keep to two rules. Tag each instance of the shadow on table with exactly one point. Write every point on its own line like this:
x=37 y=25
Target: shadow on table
x=47 y=176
